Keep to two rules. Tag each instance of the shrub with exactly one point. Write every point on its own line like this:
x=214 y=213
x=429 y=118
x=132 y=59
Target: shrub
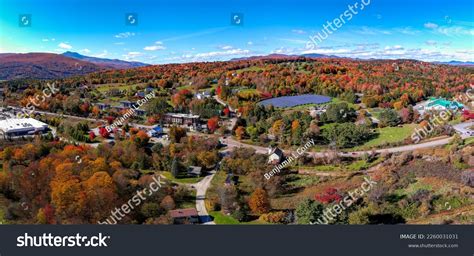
x=274 y=217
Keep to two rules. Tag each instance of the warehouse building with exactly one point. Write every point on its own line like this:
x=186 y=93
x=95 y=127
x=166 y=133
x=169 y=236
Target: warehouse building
x=21 y=126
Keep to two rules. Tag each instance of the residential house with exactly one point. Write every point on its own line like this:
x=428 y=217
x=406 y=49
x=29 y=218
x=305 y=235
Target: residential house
x=203 y=95
x=184 y=216
x=126 y=104
x=102 y=106
x=194 y=171
x=181 y=119
x=275 y=155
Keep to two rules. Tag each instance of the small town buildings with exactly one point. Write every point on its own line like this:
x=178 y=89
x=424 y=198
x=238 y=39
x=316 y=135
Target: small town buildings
x=126 y=104
x=194 y=171
x=203 y=95
x=21 y=126
x=140 y=94
x=275 y=155
x=438 y=104
x=156 y=131
x=181 y=119
x=102 y=106
x=184 y=216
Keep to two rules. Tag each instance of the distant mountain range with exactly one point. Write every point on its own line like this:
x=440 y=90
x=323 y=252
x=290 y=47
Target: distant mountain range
x=316 y=55
x=52 y=66
x=108 y=63
x=456 y=63
x=279 y=56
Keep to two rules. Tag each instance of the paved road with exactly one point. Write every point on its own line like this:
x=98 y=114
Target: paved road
x=201 y=189
x=231 y=144
x=223 y=103
x=463 y=128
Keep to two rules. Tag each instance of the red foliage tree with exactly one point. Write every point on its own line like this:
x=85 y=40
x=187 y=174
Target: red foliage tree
x=330 y=195
x=213 y=124
x=226 y=111
x=103 y=132
x=91 y=136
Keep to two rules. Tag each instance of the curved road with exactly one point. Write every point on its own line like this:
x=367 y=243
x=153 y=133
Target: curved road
x=231 y=143
x=201 y=189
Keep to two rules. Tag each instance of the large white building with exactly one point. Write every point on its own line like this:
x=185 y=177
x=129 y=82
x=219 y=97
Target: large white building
x=21 y=126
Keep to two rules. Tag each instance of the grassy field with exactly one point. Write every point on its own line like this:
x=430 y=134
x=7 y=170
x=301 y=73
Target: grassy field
x=118 y=86
x=253 y=68
x=220 y=218
x=187 y=202
x=170 y=177
x=388 y=135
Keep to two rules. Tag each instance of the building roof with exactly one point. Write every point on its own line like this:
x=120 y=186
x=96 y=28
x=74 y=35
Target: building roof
x=158 y=128
x=443 y=102
x=183 y=115
x=21 y=124
x=180 y=213
x=195 y=170
x=276 y=151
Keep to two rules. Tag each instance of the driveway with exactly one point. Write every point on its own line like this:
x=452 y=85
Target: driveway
x=201 y=188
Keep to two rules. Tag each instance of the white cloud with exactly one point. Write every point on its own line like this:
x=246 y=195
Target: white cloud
x=407 y=31
x=284 y=50
x=455 y=31
x=214 y=55
x=158 y=46
x=45 y=40
x=102 y=54
x=431 y=25
x=399 y=52
x=372 y=31
x=154 y=48
x=450 y=30
x=65 y=46
x=124 y=35
x=298 y=31
x=293 y=40
x=328 y=51
x=225 y=47
x=222 y=53
x=431 y=42
x=249 y=43
x=85 y=50
x=132 y=55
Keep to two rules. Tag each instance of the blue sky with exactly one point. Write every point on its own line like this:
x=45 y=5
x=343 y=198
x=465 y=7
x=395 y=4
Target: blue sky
x=200 y=30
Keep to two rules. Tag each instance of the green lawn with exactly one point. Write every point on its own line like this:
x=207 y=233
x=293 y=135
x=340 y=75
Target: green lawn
x=170 y=177
x=253 y=68
x=188 y=201
x=118 y=86
x=388 y=135
x=220 y=218
x=469 y=141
